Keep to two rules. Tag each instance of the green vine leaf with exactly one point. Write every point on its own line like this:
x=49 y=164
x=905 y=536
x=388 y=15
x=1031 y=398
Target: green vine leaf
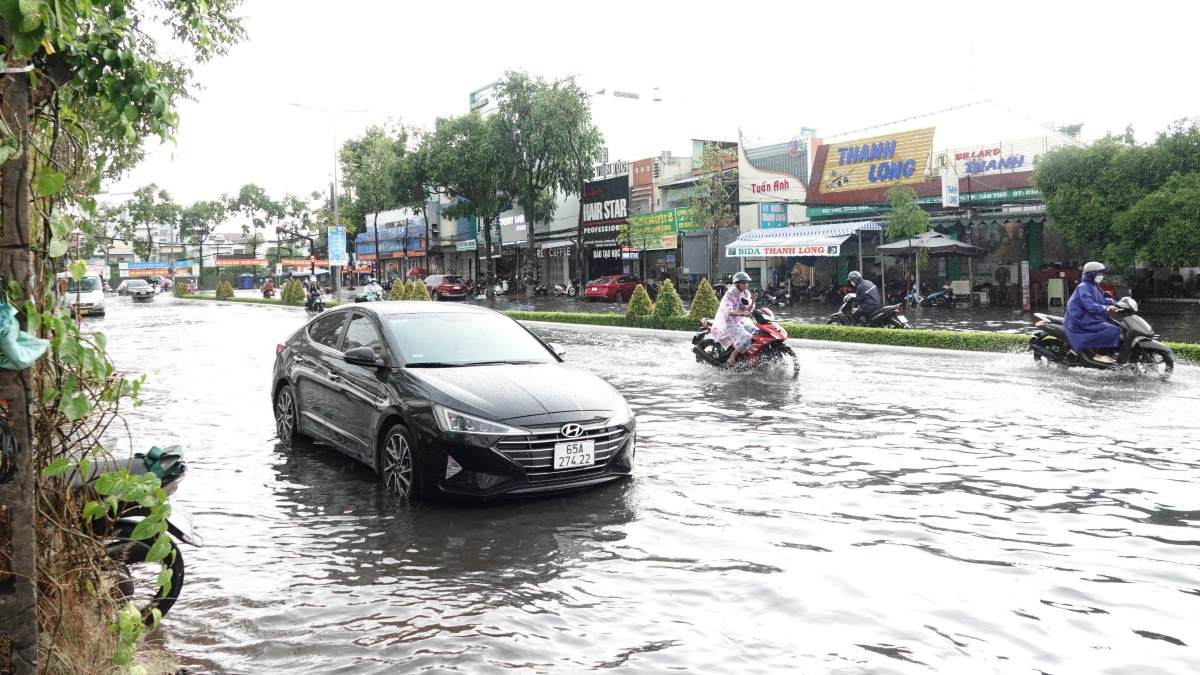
x=148 y=527
x=78 y=269
x=57 y=468
x=57 y=248
x=160 y=548
x=48 y=182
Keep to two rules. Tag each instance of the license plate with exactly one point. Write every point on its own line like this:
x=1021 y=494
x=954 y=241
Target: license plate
x=574 y=454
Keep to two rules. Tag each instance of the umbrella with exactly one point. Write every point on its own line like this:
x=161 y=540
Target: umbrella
x=416 y=272
x=934 y=243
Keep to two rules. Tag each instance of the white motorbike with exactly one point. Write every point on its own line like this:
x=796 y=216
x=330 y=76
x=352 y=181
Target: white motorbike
x=568 y=289
x=500 y=287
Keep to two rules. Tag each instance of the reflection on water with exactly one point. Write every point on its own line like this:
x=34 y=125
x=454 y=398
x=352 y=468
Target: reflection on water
x=887 y=512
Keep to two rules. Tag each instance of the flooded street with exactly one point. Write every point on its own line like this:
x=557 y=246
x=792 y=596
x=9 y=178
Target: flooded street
x=895 y=511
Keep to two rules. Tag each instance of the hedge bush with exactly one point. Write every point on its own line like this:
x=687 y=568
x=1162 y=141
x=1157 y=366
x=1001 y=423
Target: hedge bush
x=399 y=290
x=640 y=304
x=179 y=290
x=669 y=304
x=420 y=291
x=293 y=293
x=224 y=290
x=705 y=303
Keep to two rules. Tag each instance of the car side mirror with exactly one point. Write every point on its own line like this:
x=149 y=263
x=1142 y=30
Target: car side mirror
x=363 y=356
x=559 y=350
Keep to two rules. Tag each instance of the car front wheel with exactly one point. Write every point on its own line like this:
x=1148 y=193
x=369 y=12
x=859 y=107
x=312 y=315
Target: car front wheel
x=397 y=464
x=285 y=415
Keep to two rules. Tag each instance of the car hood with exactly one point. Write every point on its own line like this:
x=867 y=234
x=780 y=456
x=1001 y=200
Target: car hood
x=507 y=392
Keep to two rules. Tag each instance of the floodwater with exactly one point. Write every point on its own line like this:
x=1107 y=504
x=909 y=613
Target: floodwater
x=893 y=511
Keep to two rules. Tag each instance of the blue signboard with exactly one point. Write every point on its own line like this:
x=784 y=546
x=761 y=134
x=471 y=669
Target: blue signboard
x=772 y=215
x=337 y=247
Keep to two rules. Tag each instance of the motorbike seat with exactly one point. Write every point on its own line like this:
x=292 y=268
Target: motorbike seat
x=1050 y=319
x=883 y=310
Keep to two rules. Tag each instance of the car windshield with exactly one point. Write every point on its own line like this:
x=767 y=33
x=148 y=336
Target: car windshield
x=137 y=283
x=85 y=284
x=448 y=340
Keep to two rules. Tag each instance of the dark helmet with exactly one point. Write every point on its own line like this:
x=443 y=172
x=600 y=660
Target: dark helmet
x=854 y=277
x=741 y=276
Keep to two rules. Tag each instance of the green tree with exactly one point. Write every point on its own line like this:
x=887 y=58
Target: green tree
x=369 y=171
x=224 y=289
x=669 y=305
x=149 y=208
x=86 y=83
x=705 y=302
x=1087 y=189
x=547 y=130
x=1163 y=227
x=414 y=182
x=259 y=210
x=398 y=291
x=420 y=291
x=712 y=202
x=905 y=218
x=466 y=156
x=293 y=293
x=197 y=222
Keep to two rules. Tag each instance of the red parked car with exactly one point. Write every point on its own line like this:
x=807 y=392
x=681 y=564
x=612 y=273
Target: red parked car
x=611 y=287
x=445 y=286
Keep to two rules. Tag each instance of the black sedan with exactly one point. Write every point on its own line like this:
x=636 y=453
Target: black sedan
x=140 y=290
x=449 y=400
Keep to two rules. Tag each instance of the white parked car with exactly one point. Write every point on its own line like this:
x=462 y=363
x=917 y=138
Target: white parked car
x=86 y=295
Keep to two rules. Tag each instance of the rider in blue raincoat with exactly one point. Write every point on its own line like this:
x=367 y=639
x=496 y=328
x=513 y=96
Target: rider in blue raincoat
x=1088 y=322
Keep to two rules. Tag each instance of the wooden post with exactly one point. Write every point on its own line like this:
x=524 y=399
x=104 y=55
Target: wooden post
x=18 y=540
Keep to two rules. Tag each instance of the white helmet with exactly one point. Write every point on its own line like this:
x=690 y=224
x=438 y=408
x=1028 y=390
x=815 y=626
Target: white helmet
x=1093 y=268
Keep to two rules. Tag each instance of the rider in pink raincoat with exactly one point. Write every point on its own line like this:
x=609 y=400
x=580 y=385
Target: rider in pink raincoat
x=730 y=328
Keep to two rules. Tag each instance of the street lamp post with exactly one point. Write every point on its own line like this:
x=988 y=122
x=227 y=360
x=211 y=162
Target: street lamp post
x=337 y=277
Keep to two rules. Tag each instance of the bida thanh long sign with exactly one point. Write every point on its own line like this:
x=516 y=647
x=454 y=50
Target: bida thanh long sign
x=605 y=211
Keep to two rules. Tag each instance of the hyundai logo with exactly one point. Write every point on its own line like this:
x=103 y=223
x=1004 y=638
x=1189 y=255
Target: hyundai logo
x=571 y=430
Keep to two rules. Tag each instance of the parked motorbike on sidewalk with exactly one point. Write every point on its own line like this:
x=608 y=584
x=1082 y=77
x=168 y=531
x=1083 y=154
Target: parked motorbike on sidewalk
x=500 y=287
x=568 y=289
x=138 y=563
x=768 y=346
x=888 y=316
x=777 y=296
x=1141 y=349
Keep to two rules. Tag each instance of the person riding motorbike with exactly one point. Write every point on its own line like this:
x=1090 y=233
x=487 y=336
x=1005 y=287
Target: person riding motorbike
x=866 y=295
x=1088 y=322
x=268 y=289
x=729 y=327
x=370 y=291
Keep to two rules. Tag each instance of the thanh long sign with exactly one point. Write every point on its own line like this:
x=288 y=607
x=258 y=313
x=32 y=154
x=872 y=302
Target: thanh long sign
x=877 y=162
x=824 y=250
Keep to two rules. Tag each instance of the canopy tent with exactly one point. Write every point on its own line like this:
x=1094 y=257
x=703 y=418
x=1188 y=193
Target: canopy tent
x=934 y=243
x=802 y=240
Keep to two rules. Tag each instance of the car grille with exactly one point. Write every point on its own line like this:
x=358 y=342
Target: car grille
x=535 y=453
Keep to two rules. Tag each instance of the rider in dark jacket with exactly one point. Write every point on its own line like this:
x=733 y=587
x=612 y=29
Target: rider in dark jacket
x=866 y=295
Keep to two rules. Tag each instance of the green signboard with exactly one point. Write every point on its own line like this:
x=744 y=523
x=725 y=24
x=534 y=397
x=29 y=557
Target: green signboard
x=658 y=230
x=967 y=198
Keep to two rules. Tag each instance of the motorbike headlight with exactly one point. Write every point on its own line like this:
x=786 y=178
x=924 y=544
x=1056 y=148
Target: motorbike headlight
x=454 y=422
x=622 y=413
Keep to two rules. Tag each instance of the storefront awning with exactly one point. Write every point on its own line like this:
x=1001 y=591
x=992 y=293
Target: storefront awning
x=802 y=240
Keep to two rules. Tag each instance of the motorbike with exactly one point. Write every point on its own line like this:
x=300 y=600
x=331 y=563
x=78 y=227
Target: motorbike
x=568 y=289
x=500 y=287
x=136 y=577
x=315 y=302
x=1141 y=348
x=888 y=316
x=777 y=296
x=366 y=295
x=768 y=346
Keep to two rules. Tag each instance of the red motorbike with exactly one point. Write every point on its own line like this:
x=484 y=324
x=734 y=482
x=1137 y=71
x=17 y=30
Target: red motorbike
x=768 y=346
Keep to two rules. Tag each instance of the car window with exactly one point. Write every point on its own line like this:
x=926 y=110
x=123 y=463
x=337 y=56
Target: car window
x=452 y=280
x=461 y=339
x=326 y=330
x=361 y=333
x=625 y=280
x=137 y=283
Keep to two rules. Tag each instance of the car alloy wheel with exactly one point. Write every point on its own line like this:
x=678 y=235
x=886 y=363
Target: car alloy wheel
x=398 y=473
x=285 y=414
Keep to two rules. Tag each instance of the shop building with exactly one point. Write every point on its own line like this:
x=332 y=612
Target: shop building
x=401 y=242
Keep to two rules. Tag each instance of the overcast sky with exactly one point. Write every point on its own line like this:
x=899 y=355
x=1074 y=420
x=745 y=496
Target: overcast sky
x=769 y=68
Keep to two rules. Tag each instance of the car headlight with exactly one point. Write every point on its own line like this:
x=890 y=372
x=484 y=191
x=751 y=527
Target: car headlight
x=454 y=422
x=622 y=413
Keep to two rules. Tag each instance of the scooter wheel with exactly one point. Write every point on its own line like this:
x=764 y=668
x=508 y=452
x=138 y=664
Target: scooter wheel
x=709 y=351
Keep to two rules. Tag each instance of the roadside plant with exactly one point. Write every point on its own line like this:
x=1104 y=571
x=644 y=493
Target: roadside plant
x=293 y=293
x=179 y=290
x=669 y=303
x=420 y=292
x=224 y=290
x=398 y=291
x=640 y=305
x=705 y=303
